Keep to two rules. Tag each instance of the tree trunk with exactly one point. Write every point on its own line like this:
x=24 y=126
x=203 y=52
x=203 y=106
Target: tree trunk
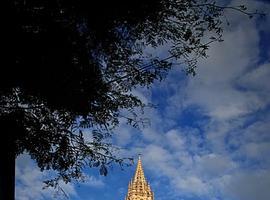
x=7 y=160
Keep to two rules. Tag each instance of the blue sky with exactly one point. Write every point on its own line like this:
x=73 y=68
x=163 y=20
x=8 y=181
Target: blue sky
x=209 y=136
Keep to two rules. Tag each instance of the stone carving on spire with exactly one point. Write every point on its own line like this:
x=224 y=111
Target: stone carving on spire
x=139 y=188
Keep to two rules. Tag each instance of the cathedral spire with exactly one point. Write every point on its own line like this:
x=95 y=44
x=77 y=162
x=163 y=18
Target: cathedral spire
x=138 y=188
x=139 y=174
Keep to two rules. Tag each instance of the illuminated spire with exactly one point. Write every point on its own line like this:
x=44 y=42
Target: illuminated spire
x=139 y=175
x=138 y=188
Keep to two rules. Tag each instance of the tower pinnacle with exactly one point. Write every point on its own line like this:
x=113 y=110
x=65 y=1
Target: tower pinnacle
x=139 y=174
x=138 y=188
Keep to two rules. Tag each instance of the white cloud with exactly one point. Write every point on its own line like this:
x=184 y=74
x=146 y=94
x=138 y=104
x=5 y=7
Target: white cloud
x=191 y=185
x=256 y=150
x=92 y=181
x=124 y=135
x=256 y=80
x=29 y=182
x=214 y=165
x=175 y=140
x=159 y=160
x=247 y=185
x=215 y=89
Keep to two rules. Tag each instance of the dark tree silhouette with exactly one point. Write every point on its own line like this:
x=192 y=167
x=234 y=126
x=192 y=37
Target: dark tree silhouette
x=73 y=67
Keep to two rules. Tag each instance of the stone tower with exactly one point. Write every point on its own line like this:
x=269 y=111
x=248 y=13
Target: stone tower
x=138 y=188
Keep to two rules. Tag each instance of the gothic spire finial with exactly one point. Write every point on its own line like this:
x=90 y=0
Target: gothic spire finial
x=138 y=187
x=139 y=174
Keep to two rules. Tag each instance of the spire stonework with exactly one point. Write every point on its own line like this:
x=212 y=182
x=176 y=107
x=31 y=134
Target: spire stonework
x=139 y=188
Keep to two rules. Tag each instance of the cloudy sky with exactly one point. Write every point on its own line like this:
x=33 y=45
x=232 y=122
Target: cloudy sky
x=209 y=136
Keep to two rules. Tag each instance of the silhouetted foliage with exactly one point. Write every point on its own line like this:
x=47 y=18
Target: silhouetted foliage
x=76 y=63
